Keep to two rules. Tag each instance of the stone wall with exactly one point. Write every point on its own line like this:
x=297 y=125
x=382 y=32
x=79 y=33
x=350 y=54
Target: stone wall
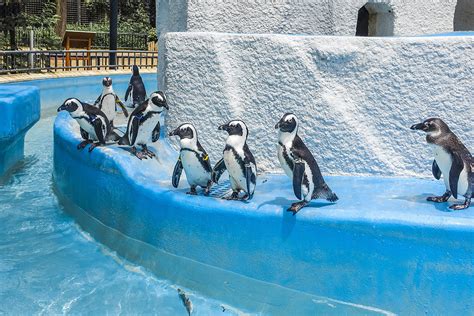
x=356 y=97
x=311 y=17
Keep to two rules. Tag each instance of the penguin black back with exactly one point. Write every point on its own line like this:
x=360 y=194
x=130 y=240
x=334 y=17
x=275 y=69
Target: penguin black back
x=136 y=88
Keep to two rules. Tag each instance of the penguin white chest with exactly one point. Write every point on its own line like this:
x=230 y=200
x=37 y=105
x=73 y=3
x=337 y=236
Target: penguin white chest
x=108 y=107
x=283 y=155
x=195 y=173
x=145 y=130
x=443 y=159
x=85 y=125
x=235 y=170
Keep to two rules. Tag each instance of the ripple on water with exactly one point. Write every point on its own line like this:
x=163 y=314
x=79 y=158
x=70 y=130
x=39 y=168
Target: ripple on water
x=48 y=265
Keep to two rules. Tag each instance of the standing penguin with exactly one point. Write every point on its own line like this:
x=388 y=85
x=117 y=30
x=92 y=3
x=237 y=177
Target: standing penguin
x=144 y=124
x=108 y=100
x=94 y=125
x=300 y=165
x=136 y=89
x=193 y=158
x=238 y=160
x=451 y=159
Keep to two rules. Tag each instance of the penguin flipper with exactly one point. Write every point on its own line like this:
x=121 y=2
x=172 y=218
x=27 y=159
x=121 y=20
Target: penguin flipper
x=178 y=169
x=122 y=106
x=155 y=135
x=205 y=161
x=218 y=170
x=456 y=168
x=133 y=129
x=435 y=170
x=100 y=130
x=84 y=134
x=248 y=180
x=127 y=93
x=298 y=174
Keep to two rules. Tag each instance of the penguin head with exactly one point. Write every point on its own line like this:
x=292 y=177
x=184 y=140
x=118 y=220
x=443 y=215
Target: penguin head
x=135 y=70
x=288 y=123
x=184 y=131
x=235 y=128
x=158 y=100
x=432 y=126
x=70 y=105
x=107 y=82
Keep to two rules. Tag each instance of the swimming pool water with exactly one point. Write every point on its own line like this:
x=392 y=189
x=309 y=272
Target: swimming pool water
x=48 y=265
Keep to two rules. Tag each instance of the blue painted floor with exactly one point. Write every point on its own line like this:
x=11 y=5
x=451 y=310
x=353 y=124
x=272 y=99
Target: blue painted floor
x=361 y=198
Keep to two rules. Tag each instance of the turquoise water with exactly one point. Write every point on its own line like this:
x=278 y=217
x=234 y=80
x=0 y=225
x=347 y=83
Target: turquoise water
x=48 y=265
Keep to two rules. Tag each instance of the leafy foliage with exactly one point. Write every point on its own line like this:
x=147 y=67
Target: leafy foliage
x=134 y=17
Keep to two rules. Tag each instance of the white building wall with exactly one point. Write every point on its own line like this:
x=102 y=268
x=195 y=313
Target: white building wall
x=356 y=97
x=313 y=17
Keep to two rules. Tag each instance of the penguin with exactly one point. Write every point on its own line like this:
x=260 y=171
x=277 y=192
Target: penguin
x=144 y=124
x=193 y=158
x=299 y=164
x=451 y=159
x=108 y=100
x=94 y=125
x=136 y=89
x=238 y=161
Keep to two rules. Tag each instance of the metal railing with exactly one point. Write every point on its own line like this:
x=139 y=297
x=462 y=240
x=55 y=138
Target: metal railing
x=67 y=60
x=43 y=36
x=124 y=40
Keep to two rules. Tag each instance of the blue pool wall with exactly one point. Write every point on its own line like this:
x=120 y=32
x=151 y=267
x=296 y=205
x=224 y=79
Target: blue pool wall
x=88 y=88
x=20 y=110
x=258 y=256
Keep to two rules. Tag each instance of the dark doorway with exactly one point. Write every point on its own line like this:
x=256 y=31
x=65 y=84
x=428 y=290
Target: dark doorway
x=375 y=19
x=464 y=16
x=362 y=22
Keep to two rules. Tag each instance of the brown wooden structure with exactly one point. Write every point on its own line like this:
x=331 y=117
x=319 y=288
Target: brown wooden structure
x=79 y=40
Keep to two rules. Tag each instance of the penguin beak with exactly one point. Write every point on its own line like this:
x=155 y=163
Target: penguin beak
x=419 y=126
x=277 y=126
x=223 y=127
x=62 y=108
x=166 y=106
x=174 y=133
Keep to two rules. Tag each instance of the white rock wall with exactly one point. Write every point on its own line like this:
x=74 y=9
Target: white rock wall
x=313 y=17
x=355 y=97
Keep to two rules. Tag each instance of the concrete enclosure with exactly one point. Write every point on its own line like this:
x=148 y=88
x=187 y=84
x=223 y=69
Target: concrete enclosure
x=306 y=17
x=20 y=107
x=356 y=97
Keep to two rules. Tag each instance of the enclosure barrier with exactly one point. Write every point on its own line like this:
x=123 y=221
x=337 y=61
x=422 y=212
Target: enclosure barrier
x=100 y=41
x=60 y=60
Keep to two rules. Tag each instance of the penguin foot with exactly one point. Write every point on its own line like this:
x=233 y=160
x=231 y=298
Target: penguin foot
x=464 y=206
x=192 y=191
x=140 y=155
x=148 y=152
x=233 y=196
x=92 y=146
x=207 y=189
x=246 y=197
x=296 y=207
x=440 y=199
x=83 y=144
